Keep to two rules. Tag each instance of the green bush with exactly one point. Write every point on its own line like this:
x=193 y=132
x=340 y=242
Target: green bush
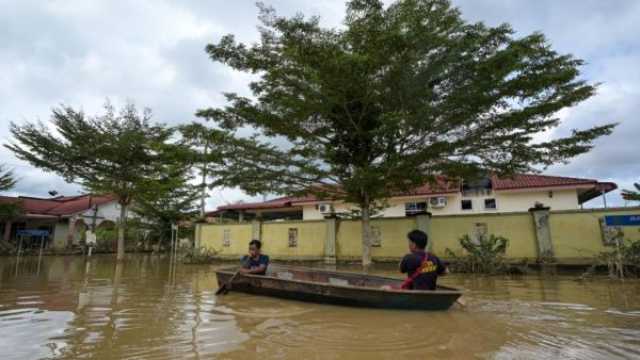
x=624 y=260
x=483 y=256
x=200 y=255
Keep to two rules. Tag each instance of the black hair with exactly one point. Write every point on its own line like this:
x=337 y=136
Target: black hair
x=257 y=243
x=419 y=238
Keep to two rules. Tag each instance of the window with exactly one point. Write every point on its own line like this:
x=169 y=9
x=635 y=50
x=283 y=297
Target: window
x=293 y=237
x=413 y=208
x=490 y=204
x=466 y=205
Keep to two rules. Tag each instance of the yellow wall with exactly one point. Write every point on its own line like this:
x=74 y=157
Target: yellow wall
x=311 y=238
x=517 y=227
x=577 y=235
x=212 y=236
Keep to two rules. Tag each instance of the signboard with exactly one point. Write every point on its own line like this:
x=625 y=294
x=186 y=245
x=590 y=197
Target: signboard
x=622 y=220
x=32 y=232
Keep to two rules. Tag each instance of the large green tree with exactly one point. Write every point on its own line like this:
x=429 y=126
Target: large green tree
x=173 y=202
x=119 y=152
x=208 y=149
x=393 y=98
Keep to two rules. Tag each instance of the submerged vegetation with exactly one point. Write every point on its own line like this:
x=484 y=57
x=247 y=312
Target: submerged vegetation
x=485 y=255
x=201 y=255
x=623 y=260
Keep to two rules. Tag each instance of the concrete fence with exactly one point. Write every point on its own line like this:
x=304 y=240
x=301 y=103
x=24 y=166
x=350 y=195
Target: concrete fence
x=571 y=237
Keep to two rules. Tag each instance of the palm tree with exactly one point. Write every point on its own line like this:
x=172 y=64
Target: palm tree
x=631 y=195
x=7 y=181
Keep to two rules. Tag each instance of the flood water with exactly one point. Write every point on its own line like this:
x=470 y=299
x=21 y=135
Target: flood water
x=67 y=307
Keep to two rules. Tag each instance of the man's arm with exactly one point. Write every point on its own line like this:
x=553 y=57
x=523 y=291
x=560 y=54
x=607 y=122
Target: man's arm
x=260 y=269
x=403 y=264
x=256 y=270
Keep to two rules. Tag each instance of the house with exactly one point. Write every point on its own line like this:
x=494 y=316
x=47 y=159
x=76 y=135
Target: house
x=62 y=220
x=444 y=197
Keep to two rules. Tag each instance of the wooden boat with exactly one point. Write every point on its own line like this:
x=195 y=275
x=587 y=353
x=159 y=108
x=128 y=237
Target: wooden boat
x=339 y=288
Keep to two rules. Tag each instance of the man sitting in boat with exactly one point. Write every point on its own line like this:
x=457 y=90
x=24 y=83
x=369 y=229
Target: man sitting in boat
x=255 y=263
x=421 y=267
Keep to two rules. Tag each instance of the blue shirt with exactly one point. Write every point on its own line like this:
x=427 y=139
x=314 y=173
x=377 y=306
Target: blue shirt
x=251 y=263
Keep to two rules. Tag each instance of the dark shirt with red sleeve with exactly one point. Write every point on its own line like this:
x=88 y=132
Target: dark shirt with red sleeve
x=427 y=280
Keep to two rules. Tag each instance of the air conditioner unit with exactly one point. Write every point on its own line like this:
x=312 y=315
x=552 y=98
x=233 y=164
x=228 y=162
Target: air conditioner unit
x=438 y=202
x=325 y=208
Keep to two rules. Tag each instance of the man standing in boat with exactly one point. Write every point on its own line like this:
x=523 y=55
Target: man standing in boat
x=255 y=263
x=421 y=267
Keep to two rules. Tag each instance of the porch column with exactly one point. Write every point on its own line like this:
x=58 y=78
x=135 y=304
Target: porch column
x=604 y=198
x=71 y=232
x=423 y=223
x=240 y=216
x=540 y=217
x=7 y=231
x=330 y=241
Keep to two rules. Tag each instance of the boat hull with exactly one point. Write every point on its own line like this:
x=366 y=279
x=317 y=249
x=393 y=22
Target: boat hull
x=338 y=288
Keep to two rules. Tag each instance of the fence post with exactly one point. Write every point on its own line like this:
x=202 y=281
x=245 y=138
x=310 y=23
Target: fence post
x=256 y=229
x=423 y=223
x=330 y=241
x=540 y=217
x=197 y=236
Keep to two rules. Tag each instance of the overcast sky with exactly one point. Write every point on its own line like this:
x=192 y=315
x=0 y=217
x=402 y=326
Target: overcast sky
x=80 y=52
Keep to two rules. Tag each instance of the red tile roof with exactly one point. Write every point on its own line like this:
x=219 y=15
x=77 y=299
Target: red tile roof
x=58 y=206
x=270 y=204
x=444 y=186
x=528 y=181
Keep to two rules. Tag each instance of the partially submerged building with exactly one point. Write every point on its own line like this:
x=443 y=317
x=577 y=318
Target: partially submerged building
x=63 y=218
x=444 y=197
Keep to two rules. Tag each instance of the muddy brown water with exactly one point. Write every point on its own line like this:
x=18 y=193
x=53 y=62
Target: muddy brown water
x=66 y=307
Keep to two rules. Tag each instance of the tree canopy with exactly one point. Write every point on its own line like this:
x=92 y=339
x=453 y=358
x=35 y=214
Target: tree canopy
x=393 y=98
x=119 y=153
x=172 y=203
x=632 y=195
x=7 y=179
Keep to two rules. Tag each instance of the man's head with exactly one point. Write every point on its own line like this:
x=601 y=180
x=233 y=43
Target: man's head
x=417 y=240
x=254 y=248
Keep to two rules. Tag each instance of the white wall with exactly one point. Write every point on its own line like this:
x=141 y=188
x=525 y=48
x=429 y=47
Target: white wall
x=505 y=202
x=522 y=201
x=108 y=211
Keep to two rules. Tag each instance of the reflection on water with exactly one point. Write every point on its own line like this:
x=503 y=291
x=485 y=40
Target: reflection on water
x=66 y=307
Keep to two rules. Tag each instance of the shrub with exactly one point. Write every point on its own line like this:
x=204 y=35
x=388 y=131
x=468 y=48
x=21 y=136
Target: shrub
x=201 y=255
x=486 y=255
x=624 y=260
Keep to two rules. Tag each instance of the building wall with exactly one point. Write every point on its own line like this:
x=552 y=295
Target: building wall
x=60 y=235
x=505 y=202
x=575 y=235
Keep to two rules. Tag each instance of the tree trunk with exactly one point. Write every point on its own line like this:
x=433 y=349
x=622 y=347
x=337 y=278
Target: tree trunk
x=121 y=229
x=366 y=235
x=203 y=195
